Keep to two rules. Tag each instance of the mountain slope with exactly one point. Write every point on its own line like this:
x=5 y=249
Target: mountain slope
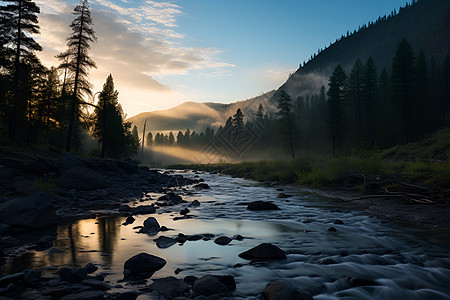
x=198 y=116
x=425 y=24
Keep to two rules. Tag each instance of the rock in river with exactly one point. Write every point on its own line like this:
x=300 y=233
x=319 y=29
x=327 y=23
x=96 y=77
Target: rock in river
x=265 y=251
x=209 y=285
x=170 y=287
x=223 y=240
x=144 y=209
x=284 y=290
x=165 y=242
x=142 y=266
x=262 y=205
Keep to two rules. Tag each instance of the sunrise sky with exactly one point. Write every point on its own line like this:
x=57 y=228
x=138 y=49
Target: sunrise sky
x=164 y=53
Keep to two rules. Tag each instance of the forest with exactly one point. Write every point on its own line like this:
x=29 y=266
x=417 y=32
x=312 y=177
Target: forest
x=55 y=106
x=366 y=108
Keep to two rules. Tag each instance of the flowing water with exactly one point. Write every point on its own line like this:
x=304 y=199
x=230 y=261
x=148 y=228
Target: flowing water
x=385 y=260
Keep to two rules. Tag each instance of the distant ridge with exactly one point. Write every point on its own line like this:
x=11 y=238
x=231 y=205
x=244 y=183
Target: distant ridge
x=197 y=116
x=426 y=25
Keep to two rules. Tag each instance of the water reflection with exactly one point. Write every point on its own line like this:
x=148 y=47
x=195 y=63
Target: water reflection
x=403 y=265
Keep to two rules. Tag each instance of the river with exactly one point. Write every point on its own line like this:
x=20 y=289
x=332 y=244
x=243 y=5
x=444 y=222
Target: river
x=385 y=259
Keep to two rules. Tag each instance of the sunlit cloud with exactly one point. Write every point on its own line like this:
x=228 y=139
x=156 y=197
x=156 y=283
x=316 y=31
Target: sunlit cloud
x=137 y=43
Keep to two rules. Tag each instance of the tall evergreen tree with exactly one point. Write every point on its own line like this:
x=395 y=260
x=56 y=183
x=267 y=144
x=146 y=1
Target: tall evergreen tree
x=284 y=112
x=171 y=139
x=20 y=20
x=108 y=119
x=336 y=96
x=149 y=139
x=370 y=88
x=355 y=85
x=76 y=59
x=402 y=84
x=260 y=113
x=238 y=121
x=423 y=109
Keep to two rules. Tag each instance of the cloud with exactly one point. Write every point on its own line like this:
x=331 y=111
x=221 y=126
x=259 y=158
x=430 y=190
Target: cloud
x=138 y=43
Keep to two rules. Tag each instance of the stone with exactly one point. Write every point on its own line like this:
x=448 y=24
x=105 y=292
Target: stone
x=265 y=251
x=338 y=222
x=209 y=285
x=201 y=186
x=82 y=179
x=262 y=205
x=96 y=284
x=195 y=203
x=142 y=266
x=285 y=290
x=332 y=229
x=86 y=295
x=144 y=209
x=129 y=220
x=22 y=185
x=124 y=207
x=34 y=211
x=90 y=268
x=283 y=195
x=151 y=224
x=238 y=237
x=227 y=280
x=165 y=242
x=184 y=211
x=32 y=276
x=223 y=240
x=171 y=197
x=170 y=287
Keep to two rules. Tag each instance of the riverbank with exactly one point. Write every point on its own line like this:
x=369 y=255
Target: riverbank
x=384 y=190
x=41 y=189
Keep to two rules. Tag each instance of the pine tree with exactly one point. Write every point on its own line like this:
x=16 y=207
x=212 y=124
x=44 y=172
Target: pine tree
x=76 y=59
x=149 y=139
x=108 y=121
x=171 y=139
x=180 y=138
x=284 y=112
x=402 y=84
x=20 y=20
x=238 y=121
x=422 y=112
x=369 y=89
x=260 y=113
x=355 y=85
x=336 y=96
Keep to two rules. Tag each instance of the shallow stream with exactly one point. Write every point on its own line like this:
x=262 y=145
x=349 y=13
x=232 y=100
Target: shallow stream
x=386 y=260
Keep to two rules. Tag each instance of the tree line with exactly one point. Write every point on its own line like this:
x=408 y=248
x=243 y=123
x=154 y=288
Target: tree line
x=56 y=105
x=365 y=108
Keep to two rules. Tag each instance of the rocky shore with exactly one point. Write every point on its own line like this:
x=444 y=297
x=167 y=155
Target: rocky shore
x=40 y=191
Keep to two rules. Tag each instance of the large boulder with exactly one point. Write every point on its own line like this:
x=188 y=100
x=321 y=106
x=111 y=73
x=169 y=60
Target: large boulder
x=265 y=251
x=209 y=285
x=262 y=205
x=82 y=179
x=142 y=266
x=170 y=287
x=284 y=290
x=33 y=211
